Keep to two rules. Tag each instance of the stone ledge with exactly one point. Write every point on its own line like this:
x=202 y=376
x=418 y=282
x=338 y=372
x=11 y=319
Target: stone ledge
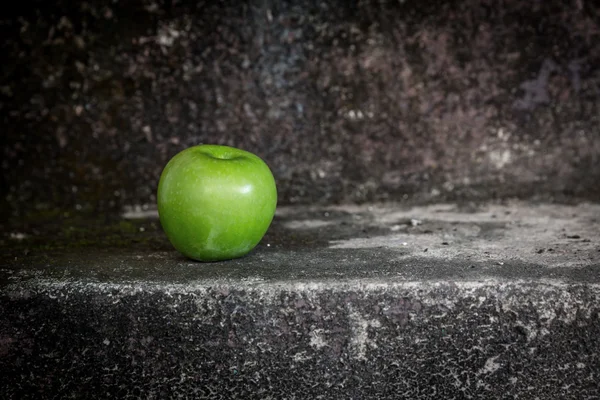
x=337 y=302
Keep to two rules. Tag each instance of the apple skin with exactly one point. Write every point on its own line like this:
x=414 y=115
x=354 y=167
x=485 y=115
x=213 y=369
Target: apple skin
x=216 y=202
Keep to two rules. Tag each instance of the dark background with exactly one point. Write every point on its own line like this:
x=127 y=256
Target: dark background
x=347 y=101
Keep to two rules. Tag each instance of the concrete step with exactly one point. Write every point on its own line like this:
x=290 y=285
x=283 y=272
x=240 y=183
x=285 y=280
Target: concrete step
x=377 y=301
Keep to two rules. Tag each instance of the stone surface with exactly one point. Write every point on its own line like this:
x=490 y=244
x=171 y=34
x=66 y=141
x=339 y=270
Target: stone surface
x=492 y=300
x=346 y=101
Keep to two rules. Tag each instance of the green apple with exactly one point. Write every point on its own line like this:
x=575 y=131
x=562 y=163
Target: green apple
x=216 y=202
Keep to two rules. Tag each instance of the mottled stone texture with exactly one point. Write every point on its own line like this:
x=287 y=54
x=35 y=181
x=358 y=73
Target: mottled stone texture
x=346 y=101
x=337 y=302
x=323 y=341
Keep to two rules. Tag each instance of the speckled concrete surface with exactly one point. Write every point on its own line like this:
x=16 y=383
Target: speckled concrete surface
x=493 y=300
x=346 y=101
x=248 y=341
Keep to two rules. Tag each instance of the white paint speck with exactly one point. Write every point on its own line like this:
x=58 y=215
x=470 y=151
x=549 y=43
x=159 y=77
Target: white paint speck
x=301 y=356
x=415 y=222
x=360 y=339
x=499 y=158
x=316 y=339
x=490 y=366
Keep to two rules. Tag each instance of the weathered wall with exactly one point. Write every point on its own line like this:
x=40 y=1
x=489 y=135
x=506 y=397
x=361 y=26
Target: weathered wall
x=346 y=101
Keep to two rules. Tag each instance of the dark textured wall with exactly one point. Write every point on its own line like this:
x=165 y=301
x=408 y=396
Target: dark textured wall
x=346 y=101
